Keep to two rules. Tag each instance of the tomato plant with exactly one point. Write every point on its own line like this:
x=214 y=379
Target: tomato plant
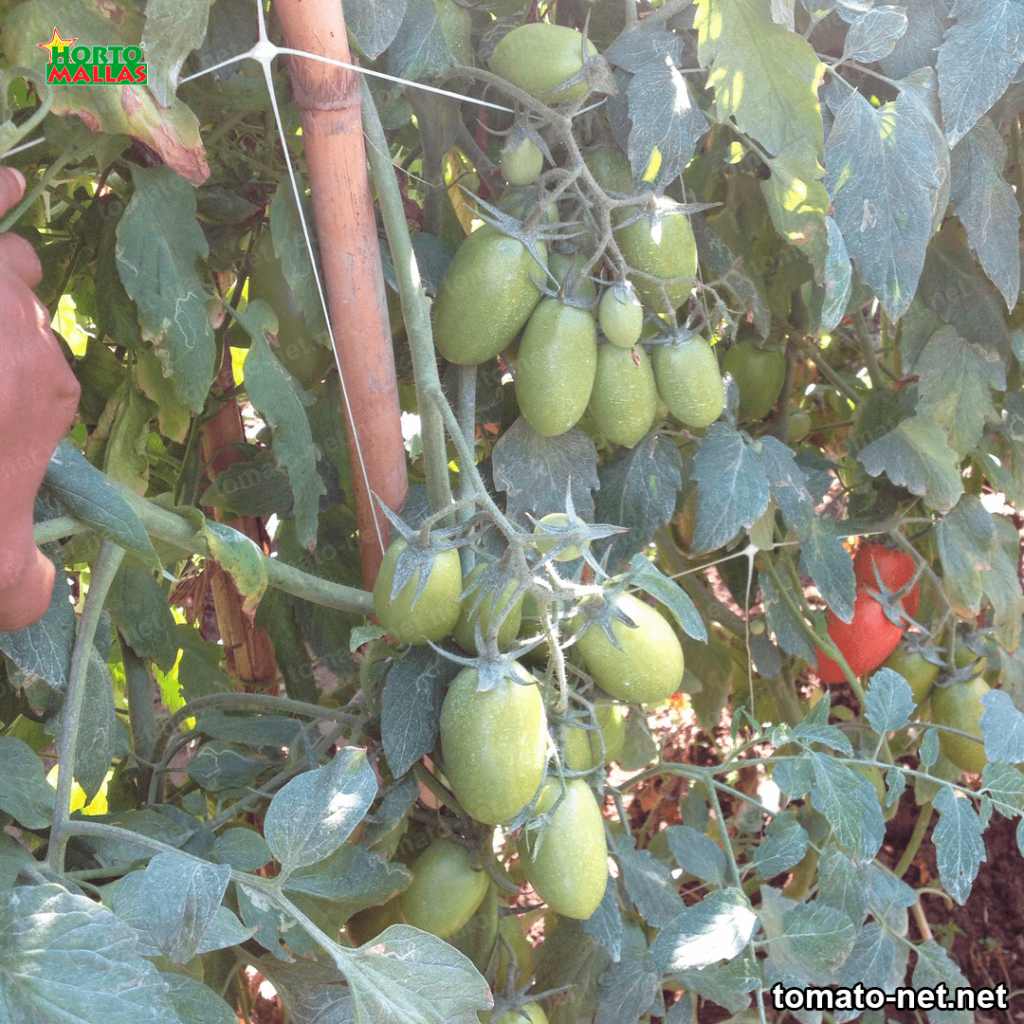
x=551 y=233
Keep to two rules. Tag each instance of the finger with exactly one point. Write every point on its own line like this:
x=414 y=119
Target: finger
x=12 y=187
x=17 y=257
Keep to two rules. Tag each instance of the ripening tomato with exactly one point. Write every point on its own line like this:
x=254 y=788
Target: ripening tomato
x=865 y=642
x=445 y=889
x=494 y=744
x=895 y=569
x=960 y=707
x=569 y=866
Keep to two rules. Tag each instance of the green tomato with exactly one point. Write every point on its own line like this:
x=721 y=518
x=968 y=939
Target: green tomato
x=548 y=541
x=432 y=615
x=494 y=744
x=690 y=382
x=522 y=165
x=302 y=355
x=625 y=397
x=445 y=890
x=646 y=667
x=583 y=288
x=917 y=670
x=465 y=629
x=569 y=866
x=510 y=928
x=960 y=706
x=556 y=366
x=659 y=244
x=367 y=924
x=539 y=58
x=582 y=747
x=611 y=170
x=534 y=1015
x=621 y=315
x=759 y=374
x=486 y=295
x=800 y=424
x=477 y=937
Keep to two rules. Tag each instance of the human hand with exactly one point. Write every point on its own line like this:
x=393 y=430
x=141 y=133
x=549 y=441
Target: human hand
x=38 y=400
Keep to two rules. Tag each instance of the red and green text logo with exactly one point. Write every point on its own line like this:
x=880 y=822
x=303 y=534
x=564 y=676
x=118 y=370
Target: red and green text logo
x=71 y=64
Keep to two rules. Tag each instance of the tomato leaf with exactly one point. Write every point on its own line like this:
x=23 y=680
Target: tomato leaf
x=889 y=704
x=427 y=44
x=159 y=245
x=978 y=58
x=298 y=270
x=874 y=34
x=898 y=152
x=533 y=471
x=696 y=853
x=638 y=490
x=405 y=976
x=985 y=203
x=1002 y=725
x=833 y=798
x=1005 y=784
x=836 y=278
x=24 y=792
x=964 y=538
x=817 y=939
x=171 y=903
x=777 y=105
x=934 y=967
x=605 y=924
x=410 y=710
x=664 y=589
x=955 y=389
x=733 y=489
x=1002 y=586
x=281 y=401
x=63 y=956
x=917 y=455
x=784 y=844
x=172 y=31
x=875 y=961
x=959 y=848
x=842 y=883
x=715 y=929
x=627 y=991
x=311 y=816
x=194 y=1001
x=918 y=46
x=648 y=883
x=374 y=23
x=827 y=562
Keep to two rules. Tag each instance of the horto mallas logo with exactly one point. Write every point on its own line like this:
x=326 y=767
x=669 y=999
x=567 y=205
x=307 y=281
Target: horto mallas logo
x=69 y=64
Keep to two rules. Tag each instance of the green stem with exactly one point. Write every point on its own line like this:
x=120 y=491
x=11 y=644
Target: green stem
x=415 y=308
x=924 y=818
x=467 y=425
x=107 y=562
x=868 y=350
x=816 y=357
x=734 y=870
x=140 y=691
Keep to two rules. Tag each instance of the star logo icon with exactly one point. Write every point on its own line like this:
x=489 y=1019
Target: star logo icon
x=57 y=46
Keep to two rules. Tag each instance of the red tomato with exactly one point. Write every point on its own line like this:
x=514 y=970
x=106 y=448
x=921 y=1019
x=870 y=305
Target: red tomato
x=865 y=642
x=895 y=569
